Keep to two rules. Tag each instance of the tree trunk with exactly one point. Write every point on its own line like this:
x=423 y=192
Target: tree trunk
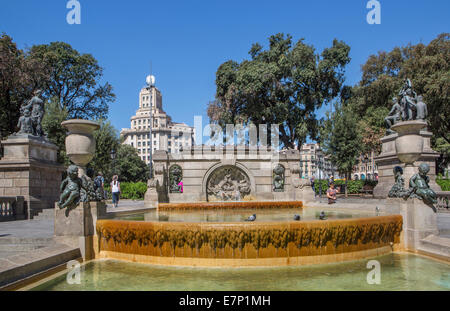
x=346 y=183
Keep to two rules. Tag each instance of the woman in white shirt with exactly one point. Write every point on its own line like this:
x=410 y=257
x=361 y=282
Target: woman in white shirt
x=115 y=190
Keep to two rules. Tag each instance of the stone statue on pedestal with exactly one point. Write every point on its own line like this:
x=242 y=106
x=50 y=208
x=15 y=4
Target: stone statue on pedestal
x=31 y=115
x=409 y=107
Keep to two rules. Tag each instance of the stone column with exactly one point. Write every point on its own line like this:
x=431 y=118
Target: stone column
x=77 y=229
x=419 y=221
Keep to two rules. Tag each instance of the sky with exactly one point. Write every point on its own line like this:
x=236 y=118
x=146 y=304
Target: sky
x=186 y=41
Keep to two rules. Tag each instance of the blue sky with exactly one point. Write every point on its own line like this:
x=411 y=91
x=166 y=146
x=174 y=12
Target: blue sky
x=186 y=41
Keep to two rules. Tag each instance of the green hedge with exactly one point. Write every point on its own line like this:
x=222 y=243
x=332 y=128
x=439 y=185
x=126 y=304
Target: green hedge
x=130 y=190
x=353 y=186
x=443 y=183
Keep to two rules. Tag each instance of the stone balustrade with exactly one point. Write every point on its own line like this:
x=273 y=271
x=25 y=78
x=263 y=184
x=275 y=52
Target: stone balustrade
x=443 y=201
x=12 y=208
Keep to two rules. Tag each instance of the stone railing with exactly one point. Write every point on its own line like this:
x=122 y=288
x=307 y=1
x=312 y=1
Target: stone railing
x=443 y=201
x=12 y=208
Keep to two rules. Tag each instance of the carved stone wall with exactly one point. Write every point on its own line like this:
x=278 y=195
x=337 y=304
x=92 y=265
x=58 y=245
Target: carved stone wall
x=228 y=183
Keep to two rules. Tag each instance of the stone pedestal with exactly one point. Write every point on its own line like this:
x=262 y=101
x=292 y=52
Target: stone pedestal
x=29 y=168
x=388 y=158
x=78 y=228
x=419 y=221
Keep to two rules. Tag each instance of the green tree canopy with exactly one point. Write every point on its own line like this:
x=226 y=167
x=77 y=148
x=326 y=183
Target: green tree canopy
x=129 y=166
x=283 y=85
x=428 y=67
x=75 y=80
x=341 y=139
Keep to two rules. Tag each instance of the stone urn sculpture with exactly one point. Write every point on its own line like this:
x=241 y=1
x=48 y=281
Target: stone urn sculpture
x=409 y=143
x=80 y=143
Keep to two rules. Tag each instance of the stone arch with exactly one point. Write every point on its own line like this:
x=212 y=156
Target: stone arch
x=219 y=166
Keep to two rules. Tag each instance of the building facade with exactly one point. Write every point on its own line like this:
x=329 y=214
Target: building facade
x=366 y=167
x=165 y=134
x=313 y=162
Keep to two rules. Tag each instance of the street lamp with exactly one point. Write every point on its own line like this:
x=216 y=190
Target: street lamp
x=113 y=157
x=150 y=80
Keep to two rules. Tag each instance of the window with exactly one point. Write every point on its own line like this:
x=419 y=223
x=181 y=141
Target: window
x=139 y=144
x=169 y=143
x=143 y=143
x=154 y=135
x=170 y=150
x=132 y=144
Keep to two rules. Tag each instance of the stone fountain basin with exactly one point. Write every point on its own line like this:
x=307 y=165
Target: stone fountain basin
x=238 y=244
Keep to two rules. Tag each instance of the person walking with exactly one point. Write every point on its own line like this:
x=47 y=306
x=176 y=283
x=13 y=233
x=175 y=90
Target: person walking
x=331 y=194
x=312 y=180
x=99 y=182
x=115 y=190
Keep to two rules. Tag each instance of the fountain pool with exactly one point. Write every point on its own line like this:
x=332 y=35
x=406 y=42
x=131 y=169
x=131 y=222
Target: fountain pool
x=399 y=271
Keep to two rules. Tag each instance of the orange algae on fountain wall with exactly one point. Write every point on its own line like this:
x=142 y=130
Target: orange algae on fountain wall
x=247 y=241
x=228 y=205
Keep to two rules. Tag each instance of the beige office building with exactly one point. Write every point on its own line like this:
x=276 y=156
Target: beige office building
x=166 y=135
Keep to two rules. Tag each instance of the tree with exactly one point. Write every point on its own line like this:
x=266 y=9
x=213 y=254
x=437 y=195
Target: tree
x=19 y=76
x=129 y=166
x=341 y=139
x=106 y=140
x=283 y=85
x=428 y=67
x=74 y=80
x=51 y=124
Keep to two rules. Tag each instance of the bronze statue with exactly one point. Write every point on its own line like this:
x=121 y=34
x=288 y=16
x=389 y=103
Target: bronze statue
x=398 y=189
x=175 y=178
x=70 y=189
x=421 y=107
x=409 y=107
x=419 y=185
x=278 y=178
x=394 y=115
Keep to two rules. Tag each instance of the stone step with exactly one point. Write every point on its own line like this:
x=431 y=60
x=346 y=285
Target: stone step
x=435 y=245
x=24 y=266
x=45 y=214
